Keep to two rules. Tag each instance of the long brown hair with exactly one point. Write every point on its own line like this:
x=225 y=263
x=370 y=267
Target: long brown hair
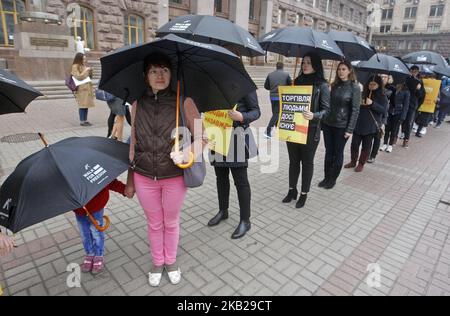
x=78 y=60
x=352 y=76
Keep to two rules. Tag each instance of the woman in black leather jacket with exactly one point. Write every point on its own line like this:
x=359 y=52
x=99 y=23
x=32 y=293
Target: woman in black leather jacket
x=312 y=75
x=338 y=126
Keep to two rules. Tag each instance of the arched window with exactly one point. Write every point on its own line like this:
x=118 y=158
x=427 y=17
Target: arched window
x=9 y=11
x=134 y=29
x=84 y=27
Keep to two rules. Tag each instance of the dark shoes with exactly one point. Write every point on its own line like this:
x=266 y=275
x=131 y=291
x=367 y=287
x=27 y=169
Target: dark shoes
x=324 y=183
x=219 y=217
x=292 y=195
x=241 y=230
x=301 y=201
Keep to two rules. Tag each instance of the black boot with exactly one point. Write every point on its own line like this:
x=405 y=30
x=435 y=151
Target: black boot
x=216 y=219
x=243 y=227
x=335 y=172
x=301 y=201
x=292 y=195
x=327 y=178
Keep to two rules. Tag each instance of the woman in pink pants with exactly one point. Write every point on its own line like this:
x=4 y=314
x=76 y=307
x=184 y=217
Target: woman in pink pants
x=154 y=175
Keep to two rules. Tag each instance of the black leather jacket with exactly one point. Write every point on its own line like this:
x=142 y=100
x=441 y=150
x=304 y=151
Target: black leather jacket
x=345 y=104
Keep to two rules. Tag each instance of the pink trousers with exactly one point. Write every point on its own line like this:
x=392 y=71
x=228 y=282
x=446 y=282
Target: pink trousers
x=162 y=201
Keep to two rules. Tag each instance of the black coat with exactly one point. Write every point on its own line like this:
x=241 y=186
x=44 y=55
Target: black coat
x=370 y=117
x=400 y=104
x=345 y=103
x=243 y=144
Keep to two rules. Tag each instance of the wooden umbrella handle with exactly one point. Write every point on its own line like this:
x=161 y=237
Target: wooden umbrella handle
x=95 y=223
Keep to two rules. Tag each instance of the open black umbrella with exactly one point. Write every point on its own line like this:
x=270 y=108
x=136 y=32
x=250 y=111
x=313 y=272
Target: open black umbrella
x=442 y=71
x=425 y=58
x=353 y=47
x=15 y=94
x=213 y=30
x=213 y=76
x=296 y=41
x=384 y=64
x=61 y=177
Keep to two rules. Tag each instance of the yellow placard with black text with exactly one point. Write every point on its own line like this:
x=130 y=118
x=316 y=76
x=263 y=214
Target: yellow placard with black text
x=219 y=127
x=292 y=126
x=432 y=87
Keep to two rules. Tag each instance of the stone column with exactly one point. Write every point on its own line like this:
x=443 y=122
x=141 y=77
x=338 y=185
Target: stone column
x=202 y=7
x=163 y=12
x=239 y=12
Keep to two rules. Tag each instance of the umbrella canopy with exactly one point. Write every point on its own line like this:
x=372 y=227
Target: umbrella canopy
x=423 y=68
x=354 y=47
x=15 y=94
x=442 y=71
x=213 y=30
x=213 y=76
x=384 y=64
x=296 y=41
x=61 y=177
x=425 y=58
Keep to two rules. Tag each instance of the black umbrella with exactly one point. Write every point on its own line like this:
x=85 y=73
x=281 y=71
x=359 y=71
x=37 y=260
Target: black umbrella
x=296 y=41
x=61 y=177
x=442 y=71
x=425 y=58
x=384 y=64
x=353 y=47
x=15 y=94
x=213 y=76
x=212 y=30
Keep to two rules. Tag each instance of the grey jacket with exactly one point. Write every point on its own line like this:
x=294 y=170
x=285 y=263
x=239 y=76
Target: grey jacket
x=275 y=79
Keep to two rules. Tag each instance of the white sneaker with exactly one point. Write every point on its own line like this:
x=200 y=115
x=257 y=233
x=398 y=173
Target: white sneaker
x=423 y=131
x=389 y=149
x=154 y=279
x=174 y=276
x=384 y=147
x=402 y=136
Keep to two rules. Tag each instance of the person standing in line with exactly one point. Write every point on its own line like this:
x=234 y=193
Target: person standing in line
x=275 y=79
x=338 y=126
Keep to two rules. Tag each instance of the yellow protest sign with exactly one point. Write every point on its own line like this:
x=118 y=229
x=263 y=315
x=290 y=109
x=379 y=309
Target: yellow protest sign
x=432 y=87
x=292 y=126
x=219 y=127
x=1 y=291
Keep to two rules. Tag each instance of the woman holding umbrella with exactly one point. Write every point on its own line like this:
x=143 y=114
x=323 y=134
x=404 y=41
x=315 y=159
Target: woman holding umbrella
x=155 y=174
x=373 y=108
x=311 y=75
x=247 y=111
x=338 y=126
x=85 y=92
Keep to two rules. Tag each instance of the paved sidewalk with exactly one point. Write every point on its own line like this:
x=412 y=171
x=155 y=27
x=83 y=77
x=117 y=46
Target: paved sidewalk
x=390 y=215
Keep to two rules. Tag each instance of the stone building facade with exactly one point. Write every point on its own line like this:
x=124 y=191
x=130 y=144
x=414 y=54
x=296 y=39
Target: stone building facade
x=105 y=25
x=413 y=25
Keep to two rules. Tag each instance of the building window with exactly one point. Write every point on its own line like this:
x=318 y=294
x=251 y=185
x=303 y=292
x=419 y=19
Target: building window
x=134 y=30
x=387 y=14
x=341 y=10
x=84 y=27
x=385 y=29
x=411 y=13
x=316 y=3
x=434 y=27
x=408 y=28
x=251 y=11
x=218 y=6
x=402 y=45
x=175 y=1
x=9 y=10
x=352 y=13
x=329 y=6
x=437 y=10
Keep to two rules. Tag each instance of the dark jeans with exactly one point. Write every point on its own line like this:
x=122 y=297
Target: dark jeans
x=366 y=142
x=304 y=155
x=392 y=129
x=112 y=118
x=408 y=124
x=376 y=145
x=335 y=142
x=443 y=111
x=242 y=186
x=83 y=114
x=275 y=116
